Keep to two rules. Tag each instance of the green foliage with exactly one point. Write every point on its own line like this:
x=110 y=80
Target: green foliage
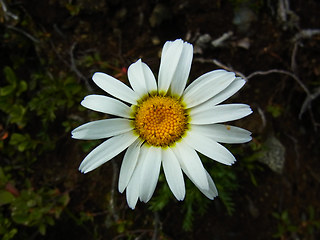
x=304 y=228
x=226 y=180
x=249 y=161
x=54 y=94
x=35 y=100
x=163 y=196
x=15 y=87
x=275 y=110
x=28 y=207
x=31 y=109
x=22 y=142
x=285 y=226
x=45 y=95
x=38 y=208
x=226 y=183
x=5 y=197
x=7 y=231
x=195 y=203
x=10 y=101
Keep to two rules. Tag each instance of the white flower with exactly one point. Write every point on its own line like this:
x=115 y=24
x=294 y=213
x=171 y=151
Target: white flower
x=164 y=123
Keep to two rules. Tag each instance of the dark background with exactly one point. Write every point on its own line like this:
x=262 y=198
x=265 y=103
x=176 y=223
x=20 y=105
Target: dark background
x=53 y=47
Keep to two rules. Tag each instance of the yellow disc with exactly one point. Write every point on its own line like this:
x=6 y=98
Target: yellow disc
x=160 y=120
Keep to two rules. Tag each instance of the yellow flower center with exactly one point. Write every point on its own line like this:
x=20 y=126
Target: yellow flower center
x=160 y=120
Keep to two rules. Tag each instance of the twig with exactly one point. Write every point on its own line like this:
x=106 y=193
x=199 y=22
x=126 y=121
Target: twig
x=7 y=14
x=156 y=226
x=32 y=38
x=282 y=72
x=113 y=187
x=306 y=34
x=219 y=64
x=293 y=57
x=283 y=10
x=263 y=117
x=310 y=97
x=286 y=15
x=219 y=41
x=302 y=34
x=72 y=65
x=307 y=103
x=74 y=68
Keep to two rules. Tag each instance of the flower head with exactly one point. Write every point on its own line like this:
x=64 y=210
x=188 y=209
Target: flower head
x=164 y=123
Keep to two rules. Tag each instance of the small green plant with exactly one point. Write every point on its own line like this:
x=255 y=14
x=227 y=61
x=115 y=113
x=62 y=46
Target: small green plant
x=28 y=207
x=249 y=161
x=30 y=111
x=38 y=208
x=10 y=98
x=275 y=110
x=195 y=203
x=7 y=230
x=305 y=228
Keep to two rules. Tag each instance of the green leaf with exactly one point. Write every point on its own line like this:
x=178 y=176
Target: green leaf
x=42 y=229
x=6 y=197
x=20 y=217
x=17 y=138
x=23 y=86
x=3 y=177
x=17 y=114
x=10 y=76
x=7 y=90
x=275 y=110
x=22 y=141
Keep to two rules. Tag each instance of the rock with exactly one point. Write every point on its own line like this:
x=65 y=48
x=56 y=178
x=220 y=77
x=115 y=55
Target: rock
x=273 y=155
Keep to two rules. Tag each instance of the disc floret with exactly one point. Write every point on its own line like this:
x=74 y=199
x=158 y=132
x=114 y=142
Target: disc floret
x=160 y=120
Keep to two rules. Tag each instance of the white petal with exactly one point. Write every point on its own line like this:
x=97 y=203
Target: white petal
x=136 y=78
x=173 y=173
x=102 y=129
x=223 y=133
x=149 y=173
x=234 y=87
x=128 y=164
x=182 y=71
x=190 y=162
x=141 y=78
x=212 y=192
x=149 y=78
x=132 y=191
x=206 y=86
x=209 y=148
x=169 y=61
x=220 y=97
x=106 y=151
x=115 y=88
x=133 y=188
x=106 y=105
x=221 y=113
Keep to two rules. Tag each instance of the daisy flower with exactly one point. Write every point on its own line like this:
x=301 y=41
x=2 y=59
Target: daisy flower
x=164 y=123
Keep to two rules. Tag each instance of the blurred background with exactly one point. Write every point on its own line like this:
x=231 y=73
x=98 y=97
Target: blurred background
x=48 y=53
